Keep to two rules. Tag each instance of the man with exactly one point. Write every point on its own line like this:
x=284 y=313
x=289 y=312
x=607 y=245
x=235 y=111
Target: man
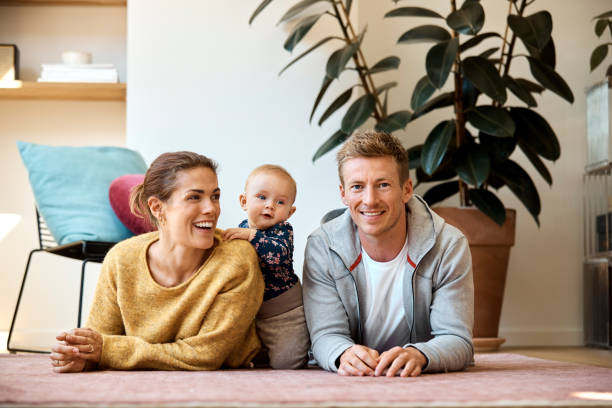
x=388 y=284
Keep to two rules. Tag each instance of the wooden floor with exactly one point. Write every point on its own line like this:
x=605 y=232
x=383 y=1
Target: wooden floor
x=582 y=355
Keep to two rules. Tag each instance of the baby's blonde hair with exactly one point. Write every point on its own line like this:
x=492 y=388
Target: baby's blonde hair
x=273 y=168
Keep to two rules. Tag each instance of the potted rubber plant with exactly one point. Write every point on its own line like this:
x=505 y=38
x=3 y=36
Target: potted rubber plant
x=468 y=154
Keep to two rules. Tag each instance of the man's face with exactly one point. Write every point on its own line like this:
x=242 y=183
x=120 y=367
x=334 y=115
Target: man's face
x=375 y=197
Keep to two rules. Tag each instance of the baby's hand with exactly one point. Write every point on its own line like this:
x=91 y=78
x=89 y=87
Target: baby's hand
x=239 y=233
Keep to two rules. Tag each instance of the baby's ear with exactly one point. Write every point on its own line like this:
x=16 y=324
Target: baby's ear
x=291 y=211
x=243 y=201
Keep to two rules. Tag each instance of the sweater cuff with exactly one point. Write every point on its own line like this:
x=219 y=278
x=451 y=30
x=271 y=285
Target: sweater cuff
x=335 y=355
x=433 y=359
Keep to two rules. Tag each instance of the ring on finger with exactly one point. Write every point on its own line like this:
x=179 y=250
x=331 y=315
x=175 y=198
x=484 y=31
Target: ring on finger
x=91 y=348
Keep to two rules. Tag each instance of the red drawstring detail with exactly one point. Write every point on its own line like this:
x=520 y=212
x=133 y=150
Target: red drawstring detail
x=410 y=261
x=354 y=265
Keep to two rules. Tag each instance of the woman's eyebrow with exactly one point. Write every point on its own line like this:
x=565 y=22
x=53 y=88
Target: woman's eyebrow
x=200 y=191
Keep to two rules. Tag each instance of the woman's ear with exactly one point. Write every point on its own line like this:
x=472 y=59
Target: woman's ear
x=157 y=208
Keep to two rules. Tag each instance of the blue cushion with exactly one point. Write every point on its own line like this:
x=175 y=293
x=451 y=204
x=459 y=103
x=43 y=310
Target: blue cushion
x=70 y=186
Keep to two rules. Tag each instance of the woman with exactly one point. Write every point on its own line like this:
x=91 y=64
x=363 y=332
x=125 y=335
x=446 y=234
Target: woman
x=176 y=299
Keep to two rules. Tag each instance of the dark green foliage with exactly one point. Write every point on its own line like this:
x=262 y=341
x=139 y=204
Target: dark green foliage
x=600 y=52
x=479 y=65
x=425 y=33
x=488 y=203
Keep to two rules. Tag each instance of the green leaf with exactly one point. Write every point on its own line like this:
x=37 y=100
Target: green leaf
x=436 y=145
x=336 y=139
x=519 y=91
x=297 y=9
x=385 y=87
x=393 y=122
x=537 y=163
x=335 y=105
x=530 y=85
x=485 y=77
x=598 y=55
x=474 y=41
x=439 y=61
x=550 y=79
x=384 y=106
x=469 y=19
x=487 y=53
x=472 y=163
x=440 y=101
x=301 y=29
x=489 y=204
x=600 y=27
x=607 y=14
x=259 y=9
x=326 y=83
x=414 y=156
x=445 y=171
x=500 y=148
x=422 y=91
x=423 y=34
x=469 y=94
x=385 y=64
x=548 y=55
x=534 y=30
x=491 y=120
x=339 y=58
x=521 y=185
x=317 y=45
x=358 y=113
x=412 y=12
x=495 y=182
x=441 y=192
x=534 y=131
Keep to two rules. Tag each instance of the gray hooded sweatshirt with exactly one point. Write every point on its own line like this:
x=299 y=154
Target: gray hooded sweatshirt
x=438 y=294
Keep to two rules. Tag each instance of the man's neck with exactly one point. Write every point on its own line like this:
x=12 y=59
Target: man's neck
x=386 y=247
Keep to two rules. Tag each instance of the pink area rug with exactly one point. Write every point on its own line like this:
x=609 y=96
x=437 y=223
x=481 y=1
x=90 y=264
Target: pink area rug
x=500 y=380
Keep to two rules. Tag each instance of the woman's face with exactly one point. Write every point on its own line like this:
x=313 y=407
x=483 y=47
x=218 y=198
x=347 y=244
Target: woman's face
x=193 y=209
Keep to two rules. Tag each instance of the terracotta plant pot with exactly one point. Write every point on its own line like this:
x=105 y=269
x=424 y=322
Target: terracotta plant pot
x=490 y=247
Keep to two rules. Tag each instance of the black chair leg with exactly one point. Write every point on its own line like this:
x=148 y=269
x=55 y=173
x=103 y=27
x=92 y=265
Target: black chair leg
x=81 y=290
x=8 y=341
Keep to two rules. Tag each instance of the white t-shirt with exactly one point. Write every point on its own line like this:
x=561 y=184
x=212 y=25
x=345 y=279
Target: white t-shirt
x=385 y=323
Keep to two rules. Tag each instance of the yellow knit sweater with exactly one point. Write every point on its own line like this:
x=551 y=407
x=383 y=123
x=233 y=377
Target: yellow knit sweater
x=201 y=324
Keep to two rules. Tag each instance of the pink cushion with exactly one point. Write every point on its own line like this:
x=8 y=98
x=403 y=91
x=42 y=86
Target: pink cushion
x=119 y=196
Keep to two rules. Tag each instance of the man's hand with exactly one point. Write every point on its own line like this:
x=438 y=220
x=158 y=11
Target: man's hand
x=358 y=360
x=239 y=233
x=409 y=360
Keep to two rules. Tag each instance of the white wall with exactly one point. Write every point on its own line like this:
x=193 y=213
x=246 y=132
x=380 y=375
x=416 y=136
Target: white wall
x=42 y=33
x=543 y=302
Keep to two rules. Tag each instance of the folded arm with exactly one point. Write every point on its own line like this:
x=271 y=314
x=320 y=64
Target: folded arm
x=325 y=314
x=451 y=313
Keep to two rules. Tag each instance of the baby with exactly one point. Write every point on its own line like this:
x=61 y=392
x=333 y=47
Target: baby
x=268 y=198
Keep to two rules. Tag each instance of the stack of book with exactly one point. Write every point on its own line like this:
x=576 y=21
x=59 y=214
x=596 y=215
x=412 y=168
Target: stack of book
x=78 y=73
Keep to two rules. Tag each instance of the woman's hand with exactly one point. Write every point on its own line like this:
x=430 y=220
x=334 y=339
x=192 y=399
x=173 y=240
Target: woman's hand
x=77 y=350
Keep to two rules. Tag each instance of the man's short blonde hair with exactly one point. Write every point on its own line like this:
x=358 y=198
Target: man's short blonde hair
x=273 y=168
x=371 y=143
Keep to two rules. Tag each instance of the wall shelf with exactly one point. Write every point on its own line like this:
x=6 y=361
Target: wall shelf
x=63 y=2
x=61 y=90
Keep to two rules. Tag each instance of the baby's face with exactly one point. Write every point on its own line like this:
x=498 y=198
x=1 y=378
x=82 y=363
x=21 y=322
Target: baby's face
x=268 y=200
